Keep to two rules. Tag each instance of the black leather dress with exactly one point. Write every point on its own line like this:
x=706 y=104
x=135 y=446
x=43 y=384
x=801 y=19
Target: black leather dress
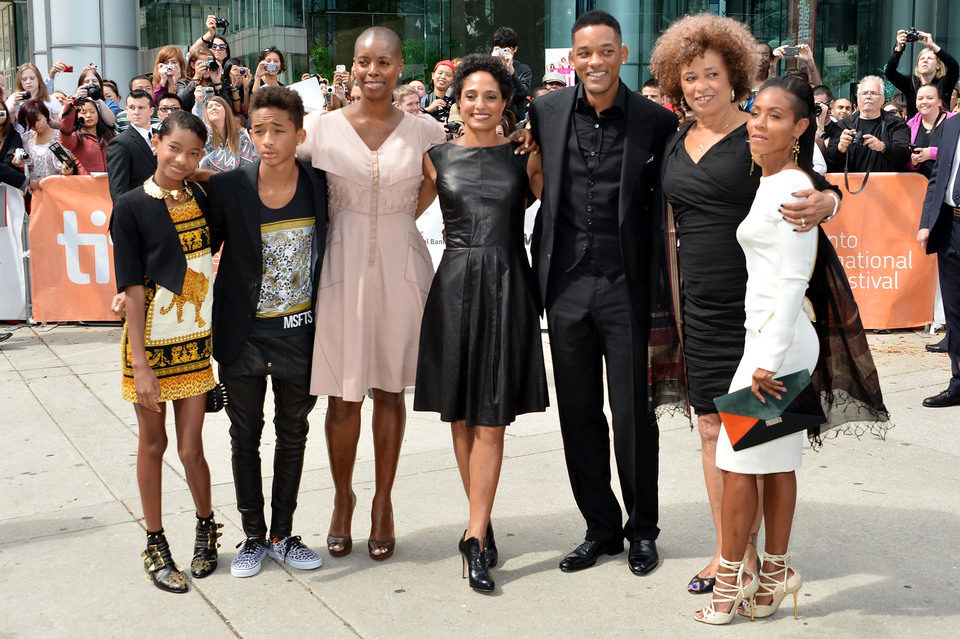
x=480 y=356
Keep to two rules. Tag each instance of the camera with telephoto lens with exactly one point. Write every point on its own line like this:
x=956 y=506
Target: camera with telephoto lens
x=857 y=139
x=913 y=35
x=221 y=23
x=452 y=128
x=94 y=92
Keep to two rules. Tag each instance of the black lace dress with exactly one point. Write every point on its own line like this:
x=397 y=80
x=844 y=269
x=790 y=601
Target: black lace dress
x=480 y=356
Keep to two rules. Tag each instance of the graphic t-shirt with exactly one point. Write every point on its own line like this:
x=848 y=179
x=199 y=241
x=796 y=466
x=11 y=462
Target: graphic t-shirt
x=285 y=306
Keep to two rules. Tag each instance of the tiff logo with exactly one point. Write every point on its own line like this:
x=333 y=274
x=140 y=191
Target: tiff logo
x=71 y=239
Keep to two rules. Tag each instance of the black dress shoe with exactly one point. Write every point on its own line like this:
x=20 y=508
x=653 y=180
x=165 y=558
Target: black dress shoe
x=586 y=554
x=939 y=347
x=475 y=565
x=490 y=547
x=943 y=400
x=643 y=557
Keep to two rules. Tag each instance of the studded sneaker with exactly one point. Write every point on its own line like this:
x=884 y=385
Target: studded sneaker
x=292 y=551
x=249 y=560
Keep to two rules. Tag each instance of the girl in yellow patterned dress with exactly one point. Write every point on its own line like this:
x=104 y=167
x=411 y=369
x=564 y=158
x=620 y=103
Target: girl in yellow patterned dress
x=164 y=269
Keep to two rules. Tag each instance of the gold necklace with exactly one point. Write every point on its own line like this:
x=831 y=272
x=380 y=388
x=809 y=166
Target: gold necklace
x=154 y=190
x=729 y=122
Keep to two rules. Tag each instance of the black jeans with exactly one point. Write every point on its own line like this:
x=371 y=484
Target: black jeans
x=590 y=323
x=287 y=361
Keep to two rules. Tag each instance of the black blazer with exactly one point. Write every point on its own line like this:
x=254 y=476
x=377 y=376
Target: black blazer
x=145 y=240
x=938 y=216
x=130 y=161
x=648 y=127
x=235 y=222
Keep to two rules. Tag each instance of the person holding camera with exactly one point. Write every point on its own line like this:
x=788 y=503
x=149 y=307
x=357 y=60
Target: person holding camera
x=13 y=157
x=437 y=103
x=505 y=45
x=212 y=41
x=90 y=85
x=38 y=142
x=29 y=86
x=270 y=65
x=85 y=134
x=239 y=78
x=804 y=56
x=168 y=71
x=872 y=139
x=934 y=66
x=206 y=72
x=229 y=145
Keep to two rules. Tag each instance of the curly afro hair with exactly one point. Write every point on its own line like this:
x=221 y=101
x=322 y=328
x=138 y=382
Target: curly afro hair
x=482 y=62
x=690 y=37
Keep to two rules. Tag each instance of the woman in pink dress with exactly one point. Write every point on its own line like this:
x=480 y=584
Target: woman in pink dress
x=374 y=280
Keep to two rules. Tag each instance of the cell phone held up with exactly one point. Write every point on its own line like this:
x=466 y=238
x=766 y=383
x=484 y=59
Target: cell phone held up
x=341 y=68
x=271 y=67
x=791 y=52
x=61 y=154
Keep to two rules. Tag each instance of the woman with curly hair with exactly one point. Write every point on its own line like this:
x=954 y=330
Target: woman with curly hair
x=709 y=64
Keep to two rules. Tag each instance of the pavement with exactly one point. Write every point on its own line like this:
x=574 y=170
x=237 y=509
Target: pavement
x=875 y=533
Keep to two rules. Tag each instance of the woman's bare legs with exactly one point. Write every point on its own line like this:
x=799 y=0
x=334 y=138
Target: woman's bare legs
x=188 y=416
x=342 y=427
x=389 y=422
x=152 y=442
x=479 y=451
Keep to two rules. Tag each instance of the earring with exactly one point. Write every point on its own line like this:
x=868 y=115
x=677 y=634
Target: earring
x=796 y=152
x=733 y=95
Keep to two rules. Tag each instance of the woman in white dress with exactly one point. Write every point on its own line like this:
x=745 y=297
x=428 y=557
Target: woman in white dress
x=780 y=339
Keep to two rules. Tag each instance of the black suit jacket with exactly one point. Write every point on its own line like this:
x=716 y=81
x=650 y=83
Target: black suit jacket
x=235 y=222
x=10 y=174
x=648 y=127
x=938 y=216
x=130 y=161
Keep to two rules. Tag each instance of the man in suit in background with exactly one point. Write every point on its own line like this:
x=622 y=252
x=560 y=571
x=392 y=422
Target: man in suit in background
x=602 y=147
x=130 y=159
x=940 y=233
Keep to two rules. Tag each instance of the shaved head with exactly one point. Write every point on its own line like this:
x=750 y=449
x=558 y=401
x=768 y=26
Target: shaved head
x=382 y=34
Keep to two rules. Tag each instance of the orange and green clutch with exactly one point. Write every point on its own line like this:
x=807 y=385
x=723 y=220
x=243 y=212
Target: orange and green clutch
x=750 y=422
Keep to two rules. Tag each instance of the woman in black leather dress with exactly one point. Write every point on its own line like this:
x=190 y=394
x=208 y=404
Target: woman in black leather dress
x=480 y=362
x=709 y=63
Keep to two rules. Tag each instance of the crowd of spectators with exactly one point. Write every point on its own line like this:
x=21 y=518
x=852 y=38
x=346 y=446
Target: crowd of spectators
x=876 y=129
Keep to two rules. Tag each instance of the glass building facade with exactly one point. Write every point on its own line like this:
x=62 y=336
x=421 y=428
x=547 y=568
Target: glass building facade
x=851 y=38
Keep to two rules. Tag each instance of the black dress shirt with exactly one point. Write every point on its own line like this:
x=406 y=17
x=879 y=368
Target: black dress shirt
x=588 y=227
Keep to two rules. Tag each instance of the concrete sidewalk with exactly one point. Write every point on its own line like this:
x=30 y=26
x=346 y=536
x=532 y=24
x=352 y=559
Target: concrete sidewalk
x=875 y=534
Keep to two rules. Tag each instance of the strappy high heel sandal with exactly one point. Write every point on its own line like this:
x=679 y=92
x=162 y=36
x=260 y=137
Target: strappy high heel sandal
x=341 y=546
x=725 y=591
x=778 y=588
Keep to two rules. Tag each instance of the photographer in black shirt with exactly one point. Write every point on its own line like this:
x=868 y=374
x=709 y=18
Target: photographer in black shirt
x=934 y=66
x=872 y=139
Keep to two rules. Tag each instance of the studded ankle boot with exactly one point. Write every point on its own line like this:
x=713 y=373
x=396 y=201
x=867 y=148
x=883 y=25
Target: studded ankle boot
x=205 y=547
x=159 y=566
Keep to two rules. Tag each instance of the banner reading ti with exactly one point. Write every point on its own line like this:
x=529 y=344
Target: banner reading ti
x=875 y=235
x=71 y=255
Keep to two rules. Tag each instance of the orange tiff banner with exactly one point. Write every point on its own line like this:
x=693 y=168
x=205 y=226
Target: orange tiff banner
x=71 y=254
x=875 y=234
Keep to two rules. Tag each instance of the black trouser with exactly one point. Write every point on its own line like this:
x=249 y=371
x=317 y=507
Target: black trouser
x=287 y=361
x=590 y=322
x=948 y=264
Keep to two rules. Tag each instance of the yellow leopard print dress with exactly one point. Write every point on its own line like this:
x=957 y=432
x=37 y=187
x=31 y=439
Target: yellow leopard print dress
x=178 y=326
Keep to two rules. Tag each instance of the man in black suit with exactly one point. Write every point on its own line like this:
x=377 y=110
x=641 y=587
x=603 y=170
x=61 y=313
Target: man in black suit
x=602 y=147
x=271 y=218
x=940 y=233
x=130 y=160
x=505 y=44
